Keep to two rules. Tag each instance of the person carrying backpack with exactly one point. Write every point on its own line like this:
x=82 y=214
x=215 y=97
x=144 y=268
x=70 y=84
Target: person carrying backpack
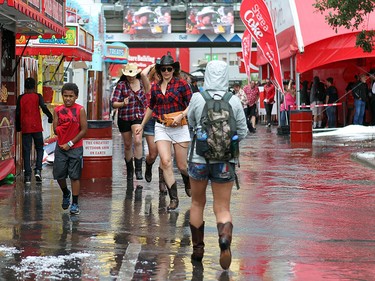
x=218 y=117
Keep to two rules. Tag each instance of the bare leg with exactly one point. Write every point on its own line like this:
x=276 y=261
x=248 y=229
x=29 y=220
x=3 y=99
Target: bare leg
x=198 y=201
x=127 y=138
x=137 y=141
x=165 y=153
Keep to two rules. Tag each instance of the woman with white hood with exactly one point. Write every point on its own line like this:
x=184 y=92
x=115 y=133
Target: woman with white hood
x=222 y=177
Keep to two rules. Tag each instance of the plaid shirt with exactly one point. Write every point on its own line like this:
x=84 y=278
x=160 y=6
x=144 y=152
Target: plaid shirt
x=135 y=109
x=243 y=98
x=252 y=94
x=176 y=98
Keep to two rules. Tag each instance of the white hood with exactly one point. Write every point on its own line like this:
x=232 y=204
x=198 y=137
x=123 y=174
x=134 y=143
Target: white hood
x=216 y=76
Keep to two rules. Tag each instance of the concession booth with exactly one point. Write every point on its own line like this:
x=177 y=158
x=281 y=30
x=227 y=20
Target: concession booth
x=31 y=18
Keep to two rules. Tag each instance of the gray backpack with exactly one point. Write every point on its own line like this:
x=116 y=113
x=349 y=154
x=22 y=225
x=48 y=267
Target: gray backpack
x=219 y=125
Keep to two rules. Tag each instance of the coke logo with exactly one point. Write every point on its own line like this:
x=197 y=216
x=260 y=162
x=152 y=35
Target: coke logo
x=255 y=21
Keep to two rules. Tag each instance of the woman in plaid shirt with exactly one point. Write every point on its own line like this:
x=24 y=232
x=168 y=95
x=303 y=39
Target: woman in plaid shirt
x=129 y=97
x=170 y=94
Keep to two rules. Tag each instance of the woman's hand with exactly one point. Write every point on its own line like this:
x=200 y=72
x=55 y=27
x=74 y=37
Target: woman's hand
x=126 y=100
x=139 y=129
x=177 y=120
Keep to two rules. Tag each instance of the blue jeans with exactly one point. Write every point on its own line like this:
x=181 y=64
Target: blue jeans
x=331 y=114
x=27 y=140
x=359 y=106
x=284 y=118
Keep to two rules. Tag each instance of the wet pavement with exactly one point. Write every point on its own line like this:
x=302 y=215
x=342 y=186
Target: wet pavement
x=302 y=213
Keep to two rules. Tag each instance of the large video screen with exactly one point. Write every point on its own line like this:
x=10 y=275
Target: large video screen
x=147 y=20
x=210 y=20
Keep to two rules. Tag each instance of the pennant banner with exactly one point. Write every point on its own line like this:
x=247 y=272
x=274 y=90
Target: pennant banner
x=257 y=19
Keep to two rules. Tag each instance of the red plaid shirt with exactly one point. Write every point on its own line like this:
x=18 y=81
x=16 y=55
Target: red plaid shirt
x=176 y=98
x=252 y=94
x=135 y=109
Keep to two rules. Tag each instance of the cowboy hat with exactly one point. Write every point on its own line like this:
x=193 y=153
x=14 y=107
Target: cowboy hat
x=167 y=60
x=144 y=10
x=131 y=70
x=206 y=10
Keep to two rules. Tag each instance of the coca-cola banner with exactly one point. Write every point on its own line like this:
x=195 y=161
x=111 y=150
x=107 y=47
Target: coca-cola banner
x=246 y=51
x=257 y=19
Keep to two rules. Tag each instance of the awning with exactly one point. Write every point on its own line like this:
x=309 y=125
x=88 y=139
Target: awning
x=70 y=53
x=308 y=28
x=33 y=19
x=78 y=44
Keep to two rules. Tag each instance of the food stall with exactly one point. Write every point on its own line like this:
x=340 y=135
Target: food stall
x=29 y=18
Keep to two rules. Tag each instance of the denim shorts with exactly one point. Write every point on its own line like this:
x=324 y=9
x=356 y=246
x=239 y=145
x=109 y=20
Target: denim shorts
x=217 y=172
x=149 y=129
x=68 y=163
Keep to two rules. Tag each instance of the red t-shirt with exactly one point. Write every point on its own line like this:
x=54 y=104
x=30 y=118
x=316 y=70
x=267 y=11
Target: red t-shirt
x=68 y=124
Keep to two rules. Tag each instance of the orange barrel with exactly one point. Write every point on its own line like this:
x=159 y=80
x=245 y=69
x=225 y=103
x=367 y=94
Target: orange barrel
x=301 y=126
x=97 y=150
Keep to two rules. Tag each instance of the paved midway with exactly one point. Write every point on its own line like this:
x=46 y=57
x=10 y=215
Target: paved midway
x=302 y=213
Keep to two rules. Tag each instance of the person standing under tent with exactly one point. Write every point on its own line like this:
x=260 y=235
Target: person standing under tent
x=29 y=122
x=331 y=97
x=269 y=99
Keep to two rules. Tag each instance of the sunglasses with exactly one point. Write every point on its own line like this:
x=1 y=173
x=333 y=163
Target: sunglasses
x=164 y=69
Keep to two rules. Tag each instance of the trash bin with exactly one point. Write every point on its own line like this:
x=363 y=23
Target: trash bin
x=300 y=126
x=97 y=150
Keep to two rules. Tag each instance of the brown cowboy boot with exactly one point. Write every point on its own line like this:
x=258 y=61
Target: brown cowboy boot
x=138 y=168
x=187 y=184
x=225 y=239
x=129 y=169
x=173 y=196
x=162 y=185
x=197 y=237
x=148 y=172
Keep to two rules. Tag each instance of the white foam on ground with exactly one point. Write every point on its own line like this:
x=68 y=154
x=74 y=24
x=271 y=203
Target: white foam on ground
x=355 y=132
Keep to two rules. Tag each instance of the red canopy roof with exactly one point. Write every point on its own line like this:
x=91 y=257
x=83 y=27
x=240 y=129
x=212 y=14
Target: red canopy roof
x=54 y=24
x=319 y=43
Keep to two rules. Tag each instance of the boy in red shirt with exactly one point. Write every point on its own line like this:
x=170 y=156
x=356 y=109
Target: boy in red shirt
x=29 y=122
x=70 y=126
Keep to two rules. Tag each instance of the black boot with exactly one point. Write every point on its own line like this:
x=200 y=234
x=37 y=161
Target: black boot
x=173 y=196
x=138 y=168
x=129 y=170
x=148 y=172
x=187 y=184
x=225 y=239
x=197 y=237
x=162 y=186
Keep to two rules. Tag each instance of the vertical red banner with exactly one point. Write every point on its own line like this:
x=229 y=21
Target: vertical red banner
x=246 y=51
x=257 y=19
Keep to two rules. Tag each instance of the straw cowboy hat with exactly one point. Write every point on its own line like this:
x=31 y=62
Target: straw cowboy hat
x=167 y=60
x=144 y=10
x=206 y=10
x=131 y=70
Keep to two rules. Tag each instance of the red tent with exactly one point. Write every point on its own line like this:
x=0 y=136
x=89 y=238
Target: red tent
x=304 y=33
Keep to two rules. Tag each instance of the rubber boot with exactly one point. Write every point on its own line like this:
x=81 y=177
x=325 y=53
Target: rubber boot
x=162 y=186
x=148 y=172
x=225 y=239
x=187 y=184
x=129 y=170
x=197 y=237
x=172 y=191
x=138 y=168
